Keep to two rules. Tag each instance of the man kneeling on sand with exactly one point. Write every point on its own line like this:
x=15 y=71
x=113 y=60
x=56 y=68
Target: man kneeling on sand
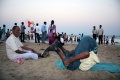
x=16 y=51
x=83 y=57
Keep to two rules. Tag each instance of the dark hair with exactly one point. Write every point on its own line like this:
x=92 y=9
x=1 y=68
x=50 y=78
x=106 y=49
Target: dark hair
x=44 y=22
x=37 y=24
x=22 y=22
x=16 y=24
x=52 y=22
x=14 y=27
x=100 y=26
x=4 y=25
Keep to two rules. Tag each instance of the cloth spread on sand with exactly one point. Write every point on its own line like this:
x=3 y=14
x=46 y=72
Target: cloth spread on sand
x=89 y=62
x=95 y=66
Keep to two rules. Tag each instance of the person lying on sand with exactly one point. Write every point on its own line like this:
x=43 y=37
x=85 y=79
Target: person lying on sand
x=16 y=50
x=71 y=59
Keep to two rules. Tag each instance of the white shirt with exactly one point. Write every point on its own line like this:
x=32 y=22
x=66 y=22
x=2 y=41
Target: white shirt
x=12 y=44
x=43 y=28
x=62 y=40
x=37 y=29
x=100 y=31
x=94 y=31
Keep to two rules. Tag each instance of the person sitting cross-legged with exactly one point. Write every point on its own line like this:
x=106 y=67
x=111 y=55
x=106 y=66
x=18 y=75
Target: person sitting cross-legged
x=16 y=50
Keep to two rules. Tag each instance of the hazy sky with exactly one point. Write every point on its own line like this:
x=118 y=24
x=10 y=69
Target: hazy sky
x=70 y=16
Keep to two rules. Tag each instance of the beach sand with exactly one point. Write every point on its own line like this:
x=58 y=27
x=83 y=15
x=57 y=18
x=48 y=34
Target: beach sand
x=45 y=69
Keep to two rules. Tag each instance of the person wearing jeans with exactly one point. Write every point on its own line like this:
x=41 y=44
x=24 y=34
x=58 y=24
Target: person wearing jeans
x=44 y=32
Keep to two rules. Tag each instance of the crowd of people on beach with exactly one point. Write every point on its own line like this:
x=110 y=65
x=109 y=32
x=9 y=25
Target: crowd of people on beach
x=17 y=52
x=50 y=34
x=86 y=49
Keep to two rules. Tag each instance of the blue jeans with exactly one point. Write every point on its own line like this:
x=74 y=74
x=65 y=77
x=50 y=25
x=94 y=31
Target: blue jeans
x=43 y=37
x=87 y=44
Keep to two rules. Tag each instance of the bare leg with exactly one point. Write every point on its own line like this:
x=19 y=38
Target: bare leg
x=63 y=50
x=62 y=55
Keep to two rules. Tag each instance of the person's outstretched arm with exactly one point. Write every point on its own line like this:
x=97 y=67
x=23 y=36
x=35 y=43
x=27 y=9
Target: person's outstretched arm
x=78 y=57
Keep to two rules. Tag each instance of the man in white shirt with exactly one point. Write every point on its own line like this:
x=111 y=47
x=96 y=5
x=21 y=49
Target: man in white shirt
x=16 y=50
x=37 y=35
x=100 y=35
x=94 y=31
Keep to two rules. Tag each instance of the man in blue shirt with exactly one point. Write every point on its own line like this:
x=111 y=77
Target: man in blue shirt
x=44 y=32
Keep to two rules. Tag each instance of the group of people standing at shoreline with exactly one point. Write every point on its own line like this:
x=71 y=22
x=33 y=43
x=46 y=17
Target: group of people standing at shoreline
x=51 y=34
x=102 y=39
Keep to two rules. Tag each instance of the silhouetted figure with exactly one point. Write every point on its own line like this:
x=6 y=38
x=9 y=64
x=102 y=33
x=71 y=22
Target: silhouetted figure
x=112 y=40
x=100 y=35
x=22 y=36
x=37 y=35
x=94 y=31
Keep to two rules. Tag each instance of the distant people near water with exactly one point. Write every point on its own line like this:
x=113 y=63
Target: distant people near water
x=44 y=32
x=28 y=36
x=113 y=40
x=65 y=37
x=61 y=39
x=52 y=32
x=37 y=33
x=15 y=24
x=107 y=40
x=104 y=39
x=8 y=33
x=31 y=36
x=82 y=36
x=100 y=35
x=3 y=32
x=58 y=33
x=0 y=33
x=78 y=38
x=94 y=31
x=62 y=34
x=22 y=36
x=71 y=38
x=75 y=39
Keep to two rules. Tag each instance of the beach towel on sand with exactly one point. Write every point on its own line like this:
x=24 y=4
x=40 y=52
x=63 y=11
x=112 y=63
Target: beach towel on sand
x=111 y=67
x=92 y=64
